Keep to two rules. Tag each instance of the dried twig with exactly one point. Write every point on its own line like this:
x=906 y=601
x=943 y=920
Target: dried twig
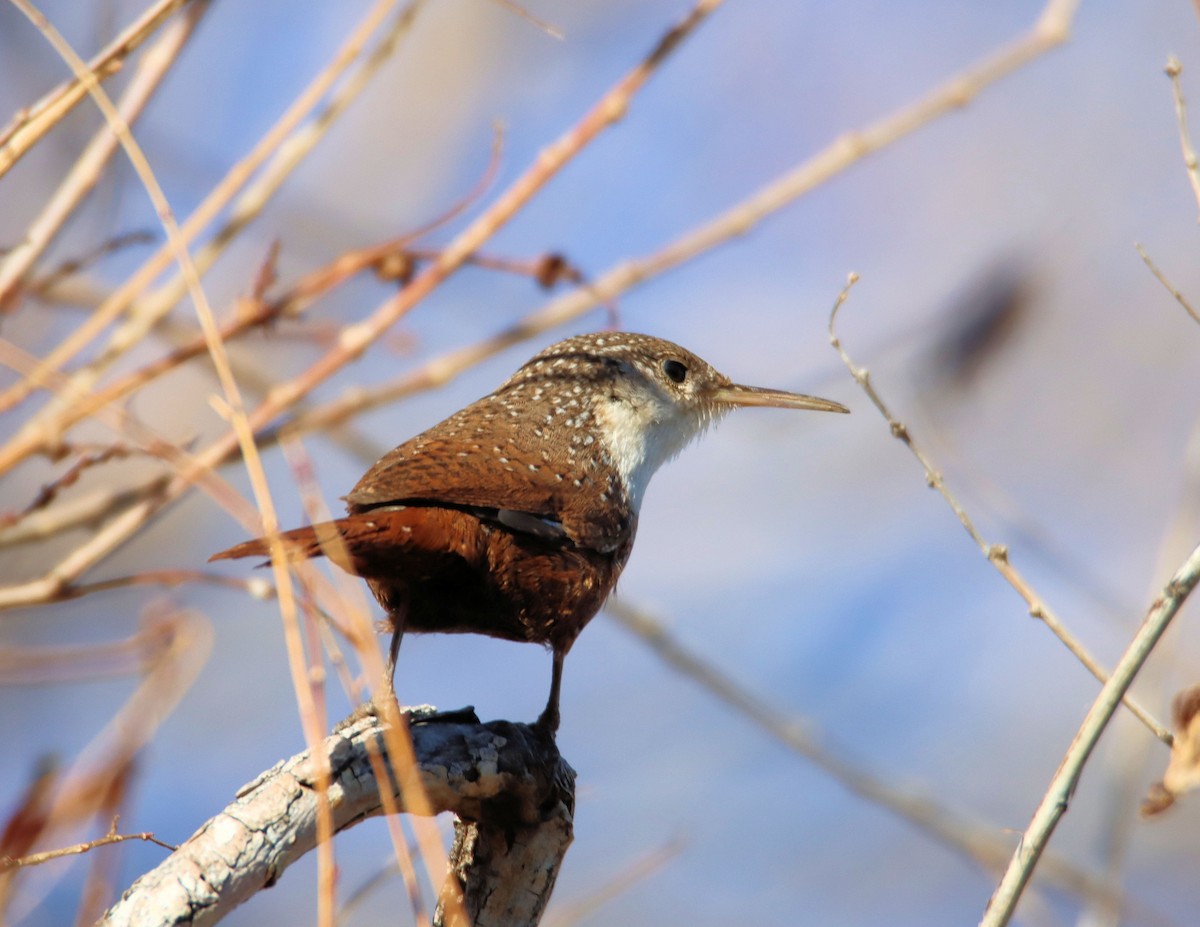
x=996 y=554
x=549 y=28
x=217 y=199
x=983 y=843
x=85 y=174
x=1190 y=162
x=1167 y=284
x=255 y=587
x=57 y=663
x=52 y=284
x=49 y=491
x=636 y=870
x=100 y=774
x=1062 y=787
x=1050 y=30
x=36 y=859
x=355 y=339
x=30 y=125
x=88 y=512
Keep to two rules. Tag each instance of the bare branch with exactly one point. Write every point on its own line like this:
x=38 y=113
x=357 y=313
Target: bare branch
x=29 y=126
x=36 y=859
x=997 y=554
x=354 y=339
x=236 y=178
x=1190 y=162
x=983 y=843
x=514 y=785
x=84 y=176
x=1062 y=787
x=1050 y=30
x=1170 y=287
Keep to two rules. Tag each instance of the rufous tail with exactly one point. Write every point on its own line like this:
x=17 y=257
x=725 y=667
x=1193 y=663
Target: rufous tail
x=300 y=543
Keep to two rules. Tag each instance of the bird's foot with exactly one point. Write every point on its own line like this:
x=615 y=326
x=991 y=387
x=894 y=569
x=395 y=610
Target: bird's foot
x=427 y=714
x=369 y=709
x=414 y=714
x=547 y=723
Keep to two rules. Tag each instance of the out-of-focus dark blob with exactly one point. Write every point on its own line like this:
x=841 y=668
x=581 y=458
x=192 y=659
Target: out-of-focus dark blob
x=980 y=324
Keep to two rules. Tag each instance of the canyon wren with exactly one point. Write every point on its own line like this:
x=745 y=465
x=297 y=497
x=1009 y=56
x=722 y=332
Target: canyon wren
x=515 y=516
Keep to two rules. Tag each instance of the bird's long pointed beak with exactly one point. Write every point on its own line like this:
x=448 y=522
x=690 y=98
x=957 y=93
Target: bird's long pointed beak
x=737 y=395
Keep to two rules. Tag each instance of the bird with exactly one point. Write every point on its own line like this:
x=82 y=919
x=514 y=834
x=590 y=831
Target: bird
x=514 y=517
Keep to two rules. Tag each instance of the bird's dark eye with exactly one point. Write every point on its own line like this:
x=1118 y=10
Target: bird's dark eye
x=676 y=371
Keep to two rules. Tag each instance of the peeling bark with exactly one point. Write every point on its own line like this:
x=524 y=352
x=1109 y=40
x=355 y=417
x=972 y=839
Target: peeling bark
x=510 y=788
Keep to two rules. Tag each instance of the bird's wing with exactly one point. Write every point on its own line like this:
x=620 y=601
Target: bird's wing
x=498 y=480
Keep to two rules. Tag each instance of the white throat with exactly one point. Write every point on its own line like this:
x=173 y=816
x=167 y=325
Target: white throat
x=640 y=439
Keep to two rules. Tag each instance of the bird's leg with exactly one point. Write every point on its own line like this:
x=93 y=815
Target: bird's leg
x=396 y=617
x=376 y=707
x=547 y=722
x=394 y=650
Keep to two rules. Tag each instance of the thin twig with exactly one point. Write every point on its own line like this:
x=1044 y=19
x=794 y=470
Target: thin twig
x=255 y=587
x=85 y=174
x=981 y=842
x=49 y=491
x=218 y=198
x=57 y=580
x=1062 y=787
x=1051 y=29
x=549 y=28
x=636 y=870
x=30 y=125
x=53 y=284
x=36 y=859
x=996 y=554
x=1170 y=287
x=106 y=763
x=1190 y=161
x=88 y=511
x=254 y=313
x=355 y=618
x=356 y=338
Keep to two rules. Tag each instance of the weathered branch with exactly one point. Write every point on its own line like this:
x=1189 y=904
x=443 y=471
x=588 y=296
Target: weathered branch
x=509 y=786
